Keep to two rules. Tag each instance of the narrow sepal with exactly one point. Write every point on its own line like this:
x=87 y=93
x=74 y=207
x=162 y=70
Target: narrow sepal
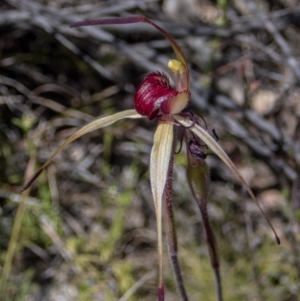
x=92 y=126
x=137 y=19
x=159 y=166
x=217 y=149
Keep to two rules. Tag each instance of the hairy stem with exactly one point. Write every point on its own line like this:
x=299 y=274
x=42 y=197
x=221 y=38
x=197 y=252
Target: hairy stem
x=212 y=247
x=171 y=233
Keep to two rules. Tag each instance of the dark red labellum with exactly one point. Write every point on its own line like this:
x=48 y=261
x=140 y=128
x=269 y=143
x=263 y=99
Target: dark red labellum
x=151 y=93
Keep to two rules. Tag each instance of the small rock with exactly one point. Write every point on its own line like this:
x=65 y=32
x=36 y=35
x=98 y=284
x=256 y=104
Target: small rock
x=263 y=101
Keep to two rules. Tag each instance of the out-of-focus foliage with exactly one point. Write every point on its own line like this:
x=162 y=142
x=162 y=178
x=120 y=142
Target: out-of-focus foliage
x=88 y=227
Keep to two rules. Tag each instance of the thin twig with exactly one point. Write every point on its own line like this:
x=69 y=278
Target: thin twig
x=137 y=285
x=15 y=234
x=278 y=38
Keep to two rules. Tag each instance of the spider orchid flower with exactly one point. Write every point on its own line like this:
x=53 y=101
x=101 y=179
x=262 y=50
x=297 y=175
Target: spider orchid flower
x=156 y=97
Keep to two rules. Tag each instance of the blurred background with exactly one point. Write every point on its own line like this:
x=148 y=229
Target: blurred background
x=87 y=228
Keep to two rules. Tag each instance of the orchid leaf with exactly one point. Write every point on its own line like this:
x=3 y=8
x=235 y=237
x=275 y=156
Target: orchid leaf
x=217 y=149
x=92 y=126
x=159 y=165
